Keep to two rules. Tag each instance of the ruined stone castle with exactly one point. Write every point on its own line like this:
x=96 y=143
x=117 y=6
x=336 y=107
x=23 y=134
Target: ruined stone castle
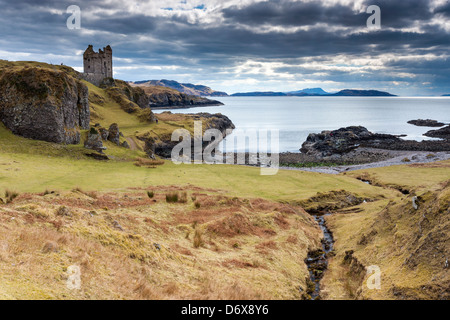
x=97 y=65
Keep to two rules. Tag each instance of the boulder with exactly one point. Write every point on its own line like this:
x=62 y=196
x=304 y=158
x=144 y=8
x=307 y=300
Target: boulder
x=114 y=134
x=44 y=104
x=94 y=141
x=104 y=133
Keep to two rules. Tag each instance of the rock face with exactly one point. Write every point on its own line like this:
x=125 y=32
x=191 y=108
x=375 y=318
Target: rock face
x=43 y=104
x=331 y=145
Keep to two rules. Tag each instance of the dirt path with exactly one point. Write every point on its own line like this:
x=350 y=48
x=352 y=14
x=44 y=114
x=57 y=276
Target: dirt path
x=132 y=144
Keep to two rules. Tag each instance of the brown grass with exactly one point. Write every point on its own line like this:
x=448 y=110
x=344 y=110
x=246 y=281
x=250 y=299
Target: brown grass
x=52 y=232
x=148 y=163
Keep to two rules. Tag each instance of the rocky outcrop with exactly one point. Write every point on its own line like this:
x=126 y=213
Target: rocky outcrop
x=331 y=145
x=163 y=99
x=117 y=88
x=94 y=141
x=43 y=104
x=162 y=144
x=133 y=98
x=328 y=143
x=443 y=133
x=98 y=134
x=114 y=134
x=426 y=123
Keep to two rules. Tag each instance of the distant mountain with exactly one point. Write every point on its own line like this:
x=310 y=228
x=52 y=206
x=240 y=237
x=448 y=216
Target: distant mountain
x=259 y=94
x=309 y=91
x=362 y=93
x=317 y=92
x=187 y=88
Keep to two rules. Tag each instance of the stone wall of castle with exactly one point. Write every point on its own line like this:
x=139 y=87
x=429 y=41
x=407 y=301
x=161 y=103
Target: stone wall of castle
x=97 y=65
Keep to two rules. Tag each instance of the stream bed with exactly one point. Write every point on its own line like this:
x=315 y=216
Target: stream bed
x=317 y=260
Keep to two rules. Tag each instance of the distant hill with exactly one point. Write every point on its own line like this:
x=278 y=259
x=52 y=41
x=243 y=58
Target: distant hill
x=362 y=93
x=187 y=88
x=309 y=91
x=317 y=92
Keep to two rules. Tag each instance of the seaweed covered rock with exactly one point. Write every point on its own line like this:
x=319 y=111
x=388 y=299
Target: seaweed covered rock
x=43 y=104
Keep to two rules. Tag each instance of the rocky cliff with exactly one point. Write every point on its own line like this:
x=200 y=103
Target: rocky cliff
x=45 y=104
x=162 y=97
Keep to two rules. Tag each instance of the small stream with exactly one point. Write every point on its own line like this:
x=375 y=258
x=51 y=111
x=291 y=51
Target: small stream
x=317 y=260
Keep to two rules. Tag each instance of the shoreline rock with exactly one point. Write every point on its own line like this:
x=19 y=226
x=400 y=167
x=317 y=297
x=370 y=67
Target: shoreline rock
x=333 y=145
x=443 y=133
x=427 y=123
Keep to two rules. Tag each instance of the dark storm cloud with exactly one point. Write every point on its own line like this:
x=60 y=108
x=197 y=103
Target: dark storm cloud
x=287 y=13
x=397 y=14
x=403 y=14
x=39 y=27
x=443 y=9
x=128 y=24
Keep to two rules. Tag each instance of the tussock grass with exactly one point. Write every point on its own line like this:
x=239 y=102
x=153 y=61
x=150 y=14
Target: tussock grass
x=172 y=197
x=198 y=240
x=91 y=194
x=10 y=195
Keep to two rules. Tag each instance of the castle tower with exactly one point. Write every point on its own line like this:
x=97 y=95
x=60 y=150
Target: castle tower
x=98 y=65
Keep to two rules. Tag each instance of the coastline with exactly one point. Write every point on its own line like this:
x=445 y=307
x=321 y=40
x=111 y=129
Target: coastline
x=397 y=158
x=386 y=158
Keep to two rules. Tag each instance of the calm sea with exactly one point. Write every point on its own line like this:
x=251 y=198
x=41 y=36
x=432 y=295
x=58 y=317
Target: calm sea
x=296 y=117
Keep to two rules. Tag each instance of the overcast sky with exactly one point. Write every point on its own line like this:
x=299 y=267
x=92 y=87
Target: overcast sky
x=244 y=45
